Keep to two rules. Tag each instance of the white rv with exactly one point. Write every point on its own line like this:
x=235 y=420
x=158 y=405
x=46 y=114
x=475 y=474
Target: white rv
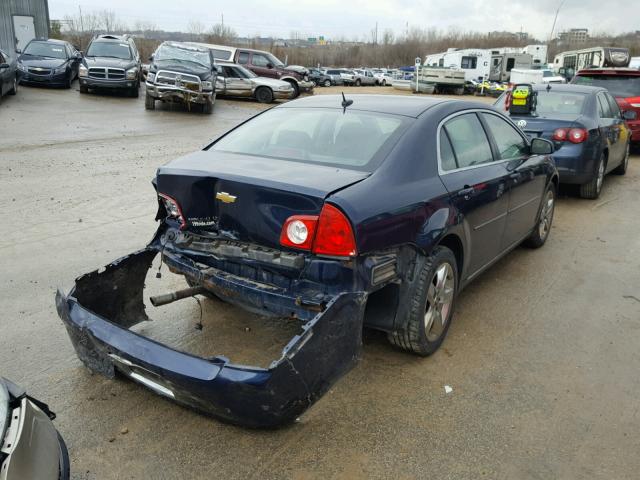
x=538 y=52
x=503 y=63
x=568 y=63
x=474 y=62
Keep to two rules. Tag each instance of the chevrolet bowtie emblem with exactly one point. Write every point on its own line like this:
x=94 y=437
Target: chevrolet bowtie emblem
x=224 y=197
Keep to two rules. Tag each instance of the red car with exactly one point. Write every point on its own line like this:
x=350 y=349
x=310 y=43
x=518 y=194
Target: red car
x=622 y=83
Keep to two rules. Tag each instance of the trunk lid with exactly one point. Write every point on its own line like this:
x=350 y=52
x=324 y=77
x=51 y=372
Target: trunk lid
x=543 y=127
x=248 y=198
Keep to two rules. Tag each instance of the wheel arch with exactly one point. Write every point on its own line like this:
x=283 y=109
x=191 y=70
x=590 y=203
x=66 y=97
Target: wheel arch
x=454 y=243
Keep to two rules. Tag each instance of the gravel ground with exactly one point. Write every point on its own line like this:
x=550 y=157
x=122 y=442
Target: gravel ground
x=542 y=357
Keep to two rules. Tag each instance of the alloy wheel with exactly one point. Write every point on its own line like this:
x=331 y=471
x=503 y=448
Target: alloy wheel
x=439 y=301
x=546 y=215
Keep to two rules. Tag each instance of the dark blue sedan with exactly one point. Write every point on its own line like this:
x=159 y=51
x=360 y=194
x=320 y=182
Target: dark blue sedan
x=374 y=211
x=587 y=128
x=49 y=62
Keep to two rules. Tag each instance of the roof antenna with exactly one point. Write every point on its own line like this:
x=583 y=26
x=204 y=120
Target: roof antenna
x=345 y=103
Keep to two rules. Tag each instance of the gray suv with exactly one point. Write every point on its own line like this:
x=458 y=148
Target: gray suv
x=111 y=62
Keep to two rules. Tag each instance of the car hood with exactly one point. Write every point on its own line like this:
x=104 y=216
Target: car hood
x=203 y=72
x=298 y=69
x=270 y=82
x=42 y=62
x=108 y=62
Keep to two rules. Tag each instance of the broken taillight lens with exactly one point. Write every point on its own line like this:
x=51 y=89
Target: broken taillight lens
x=329 y=234
x=172 y=207
x=298 y=231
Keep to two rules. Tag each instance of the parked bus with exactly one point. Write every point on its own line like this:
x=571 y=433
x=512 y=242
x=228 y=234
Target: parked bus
x=568 y=63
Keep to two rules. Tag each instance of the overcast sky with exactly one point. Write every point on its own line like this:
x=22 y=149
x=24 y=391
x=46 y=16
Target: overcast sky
x=356 y=18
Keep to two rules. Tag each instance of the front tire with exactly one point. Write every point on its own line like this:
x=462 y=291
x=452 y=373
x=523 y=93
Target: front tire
x=545 y=218
x=592 y=189
x=264 y=95
x=327 y=83
x=135 y=91
x=358 y=83
x=432 y=300
x=84 y=89
x=622 y=168
x=207 y=107
x=149 y=102
x=296 y=89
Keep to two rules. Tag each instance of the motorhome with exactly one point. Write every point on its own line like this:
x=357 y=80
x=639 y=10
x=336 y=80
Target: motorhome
x=503 y=63
x=568 y=63
x=475 y=62
x=537 y=52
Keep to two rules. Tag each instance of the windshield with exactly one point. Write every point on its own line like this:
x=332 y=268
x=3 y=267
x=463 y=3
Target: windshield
x=619 y=85
x=43 y=49
x=182 y=54
x=354 y=139
x=109 y=49
x=274 y=60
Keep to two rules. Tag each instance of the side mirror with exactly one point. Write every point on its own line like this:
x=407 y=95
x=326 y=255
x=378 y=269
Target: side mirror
x=78 y=55
x=269 y=65
x=18 y=50
x=541 y=146
x=151 y=58
x=629 y=115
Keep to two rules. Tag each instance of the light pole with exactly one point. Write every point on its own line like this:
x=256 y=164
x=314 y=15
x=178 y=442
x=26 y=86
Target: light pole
x=553 y=27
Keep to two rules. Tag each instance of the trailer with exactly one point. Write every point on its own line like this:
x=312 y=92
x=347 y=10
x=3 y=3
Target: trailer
x=441 y=80
x=503 y=63
x=570 y=62
x=475 y=62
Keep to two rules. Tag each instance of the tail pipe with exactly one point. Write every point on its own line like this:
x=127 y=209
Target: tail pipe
x=159 y=300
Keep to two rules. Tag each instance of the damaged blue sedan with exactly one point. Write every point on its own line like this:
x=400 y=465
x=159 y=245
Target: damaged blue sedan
x=340 y=213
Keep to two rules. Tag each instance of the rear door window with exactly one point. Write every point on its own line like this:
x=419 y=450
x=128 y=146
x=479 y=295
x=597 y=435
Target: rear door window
x=604 y=109
x=468 y=140
x=509 y=142
x=243 y=58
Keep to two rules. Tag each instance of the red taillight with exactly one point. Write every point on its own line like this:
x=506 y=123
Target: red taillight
x=298 y=231
x=172 y=207
x=328 y=234
x=573 y=135
x=560 y=134
x=335 y=235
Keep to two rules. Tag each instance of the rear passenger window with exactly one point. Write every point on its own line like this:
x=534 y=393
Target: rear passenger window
x=243 y=58
x=447 y=157
x=604 y=110
x=468 y=140
x=615 y=109
x=509 y=142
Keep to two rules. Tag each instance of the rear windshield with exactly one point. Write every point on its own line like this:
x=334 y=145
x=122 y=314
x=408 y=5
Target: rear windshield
x=552 y=103
x=353 y=139
x=618 y=85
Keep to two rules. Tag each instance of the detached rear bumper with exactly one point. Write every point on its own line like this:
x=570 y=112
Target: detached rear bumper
x=103 y=305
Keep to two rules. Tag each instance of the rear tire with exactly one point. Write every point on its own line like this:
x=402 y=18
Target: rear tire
x=358 y=83
x=592 y=189
x=622 y=168
x=264 y=95
x=149 y=102
x=545 y=218
x=14 y=88
x=432 y=301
